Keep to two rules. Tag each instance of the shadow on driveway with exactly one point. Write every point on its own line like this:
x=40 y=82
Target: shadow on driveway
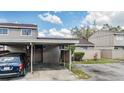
x=43 y=67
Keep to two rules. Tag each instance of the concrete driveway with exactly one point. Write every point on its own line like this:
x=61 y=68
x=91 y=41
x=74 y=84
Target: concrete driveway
x=47 y=72
x=59 y=75
x=104 y=72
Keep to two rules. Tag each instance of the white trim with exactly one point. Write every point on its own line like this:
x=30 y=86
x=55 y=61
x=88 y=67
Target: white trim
x=25 y=35
x=5 y=34
x=70 y=59
x=39 y=41
x=31 y=44
x=20 y=27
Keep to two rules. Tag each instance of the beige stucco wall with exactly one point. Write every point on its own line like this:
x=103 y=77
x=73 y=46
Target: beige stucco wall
x=106 y=53
x=114 y=54
x=16 y=34
x=102 y=39
x=118 y=54
x=89 y=53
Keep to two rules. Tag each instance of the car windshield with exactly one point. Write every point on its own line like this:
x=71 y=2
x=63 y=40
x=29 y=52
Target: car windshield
x=9 y=59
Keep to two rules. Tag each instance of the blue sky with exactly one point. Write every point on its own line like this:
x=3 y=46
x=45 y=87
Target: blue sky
x=58 y=24
x=69 y=19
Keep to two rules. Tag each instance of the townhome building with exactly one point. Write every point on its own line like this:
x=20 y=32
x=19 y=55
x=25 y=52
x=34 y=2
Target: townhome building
x=17 y=37
x=111 y=43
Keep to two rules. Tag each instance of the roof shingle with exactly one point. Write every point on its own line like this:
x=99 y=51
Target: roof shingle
x=84 y=42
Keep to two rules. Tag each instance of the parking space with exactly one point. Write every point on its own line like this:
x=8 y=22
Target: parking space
x=47 y=72
x=104 y=72
x=50 y=72
x=60 y=75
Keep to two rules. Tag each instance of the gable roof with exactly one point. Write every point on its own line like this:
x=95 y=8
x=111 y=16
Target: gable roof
x=18 y=26
x=84 y=42
x=110 y=31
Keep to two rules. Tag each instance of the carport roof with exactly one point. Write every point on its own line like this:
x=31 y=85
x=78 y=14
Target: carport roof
x=58 y=38
x=40 y=41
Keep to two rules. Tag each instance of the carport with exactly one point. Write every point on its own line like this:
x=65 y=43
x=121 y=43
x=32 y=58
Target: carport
x=40 y=41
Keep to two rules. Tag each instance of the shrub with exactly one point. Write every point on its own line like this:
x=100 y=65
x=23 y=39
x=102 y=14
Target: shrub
x=95 y=56
x=78 y=56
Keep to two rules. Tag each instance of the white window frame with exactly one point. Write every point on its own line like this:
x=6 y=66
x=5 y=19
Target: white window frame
x=25 y=35
x=119 y=37
x=5 y=34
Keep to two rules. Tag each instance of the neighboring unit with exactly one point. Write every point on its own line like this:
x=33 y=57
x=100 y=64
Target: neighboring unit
x=110 y=43
x=88 y=48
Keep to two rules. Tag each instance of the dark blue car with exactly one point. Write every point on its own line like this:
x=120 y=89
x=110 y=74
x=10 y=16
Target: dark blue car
x=12 y=64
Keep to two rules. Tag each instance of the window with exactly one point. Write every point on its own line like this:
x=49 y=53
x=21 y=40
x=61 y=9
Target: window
x=3 y=31
x=119 y=37
x=115 y=47
x=26 y=32
x=84 y=48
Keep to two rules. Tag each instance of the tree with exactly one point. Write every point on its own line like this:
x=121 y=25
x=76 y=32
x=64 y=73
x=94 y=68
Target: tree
x=77 y=32
x=106 y=27
x=111 y=28
x=71 y=47
x=85 y=32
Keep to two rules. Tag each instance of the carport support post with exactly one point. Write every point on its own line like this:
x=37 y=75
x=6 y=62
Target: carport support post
x=70 y=58
x=31 y=57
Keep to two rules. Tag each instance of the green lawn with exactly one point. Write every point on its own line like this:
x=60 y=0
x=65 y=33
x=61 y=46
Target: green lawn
x=99 y=61
x=80 y=74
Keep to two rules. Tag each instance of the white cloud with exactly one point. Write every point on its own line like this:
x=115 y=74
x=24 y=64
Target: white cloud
x=41 y=34
x=112 y=18
x=54 y=33
x=57 y=11
x=3 y=20
x=63 y=33
x=50 y=18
